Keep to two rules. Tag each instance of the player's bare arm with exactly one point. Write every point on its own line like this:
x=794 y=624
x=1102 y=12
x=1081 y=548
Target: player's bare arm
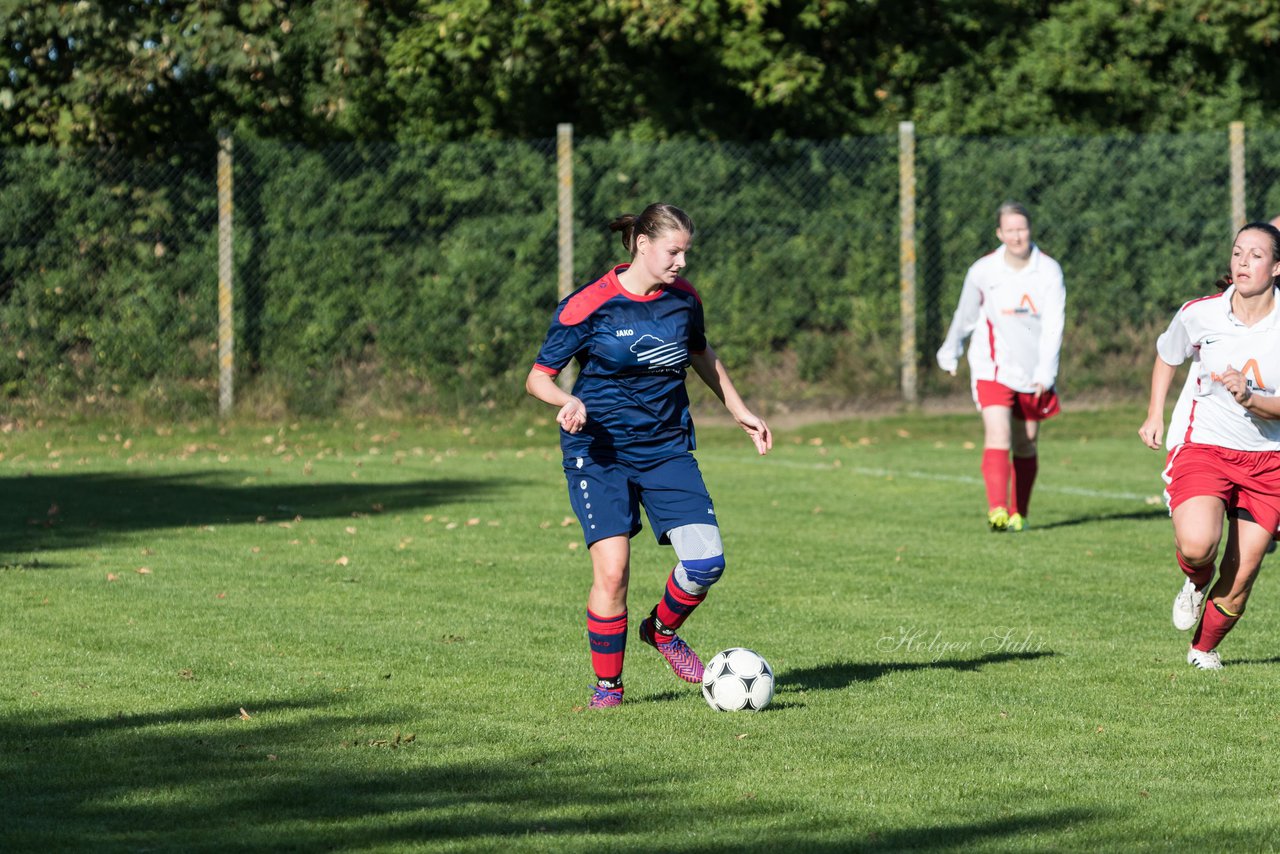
x=1236 y=383
x=712 y=371
x=573 y=413
x=1152 y=430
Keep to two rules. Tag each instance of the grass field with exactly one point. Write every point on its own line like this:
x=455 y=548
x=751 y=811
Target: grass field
x=371 y=636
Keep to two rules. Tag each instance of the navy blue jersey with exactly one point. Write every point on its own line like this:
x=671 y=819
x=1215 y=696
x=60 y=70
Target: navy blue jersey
x=632 y=352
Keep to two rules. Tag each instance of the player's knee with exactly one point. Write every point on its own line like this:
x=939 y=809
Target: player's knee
x=702 y=573
x=1198 y=551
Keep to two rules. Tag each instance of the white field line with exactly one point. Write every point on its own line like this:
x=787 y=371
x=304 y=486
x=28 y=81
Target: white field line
x=935 y=477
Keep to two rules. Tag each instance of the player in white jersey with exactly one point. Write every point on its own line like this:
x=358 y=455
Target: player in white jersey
x=1226 y=460
x=1013 y=306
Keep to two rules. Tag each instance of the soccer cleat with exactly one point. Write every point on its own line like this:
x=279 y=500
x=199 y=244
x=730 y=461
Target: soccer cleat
x=998 y=518
x=1017 y=523
x=1204 y=660
x=683 y=660
x=605 y=698
x=1188 y=605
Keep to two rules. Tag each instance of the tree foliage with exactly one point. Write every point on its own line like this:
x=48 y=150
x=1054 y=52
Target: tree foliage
x=144 y=74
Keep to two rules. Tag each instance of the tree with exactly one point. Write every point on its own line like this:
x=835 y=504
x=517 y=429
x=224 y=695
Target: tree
x=152 y=74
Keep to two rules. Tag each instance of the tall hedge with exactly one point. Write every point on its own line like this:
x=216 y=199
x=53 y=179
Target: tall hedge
x=424 y=276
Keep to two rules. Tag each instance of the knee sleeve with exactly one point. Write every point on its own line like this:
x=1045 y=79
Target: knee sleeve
x=701 y=557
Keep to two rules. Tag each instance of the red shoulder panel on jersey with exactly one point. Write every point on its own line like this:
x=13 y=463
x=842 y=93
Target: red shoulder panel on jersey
x=588 y=300
x=1192 y=302
x=681 y=285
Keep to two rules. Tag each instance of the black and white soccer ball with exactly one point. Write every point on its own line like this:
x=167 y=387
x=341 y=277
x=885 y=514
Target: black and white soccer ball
x=738 y=680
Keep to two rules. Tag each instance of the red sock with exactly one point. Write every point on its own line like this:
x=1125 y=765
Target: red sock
x=1199 y=575
x=1024 y=477
x=607 y=637
x=675 y=607
x=995 y=472
x=1213 y=628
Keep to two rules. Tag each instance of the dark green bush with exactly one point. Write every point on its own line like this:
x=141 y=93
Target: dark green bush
x=423 y=277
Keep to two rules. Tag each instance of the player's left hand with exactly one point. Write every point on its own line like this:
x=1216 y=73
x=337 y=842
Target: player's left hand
x=1040 y=390
x=757 y=430
x=1235 y=383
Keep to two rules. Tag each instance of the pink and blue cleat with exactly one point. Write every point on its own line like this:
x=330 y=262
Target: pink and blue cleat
x=683 y=660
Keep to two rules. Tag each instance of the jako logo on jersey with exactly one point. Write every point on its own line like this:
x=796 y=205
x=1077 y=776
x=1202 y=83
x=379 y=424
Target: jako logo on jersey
x=655 y=351
x=624 y=333
x=1026 y=306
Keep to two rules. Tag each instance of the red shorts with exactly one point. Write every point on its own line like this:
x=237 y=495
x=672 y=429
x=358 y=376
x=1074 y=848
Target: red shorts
x=1025 y=405
x=1243 y=480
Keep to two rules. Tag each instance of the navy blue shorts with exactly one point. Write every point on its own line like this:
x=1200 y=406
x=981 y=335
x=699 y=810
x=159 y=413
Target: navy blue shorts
x=606 y=495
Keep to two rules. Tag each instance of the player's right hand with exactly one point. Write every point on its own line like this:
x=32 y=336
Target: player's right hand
x=572 y=417
x=1152 y=432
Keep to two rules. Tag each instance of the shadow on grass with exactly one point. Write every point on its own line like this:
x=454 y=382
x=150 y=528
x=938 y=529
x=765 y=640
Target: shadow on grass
x=75 y=511
x=1134 y=515
x=307 y=776
x=827 y=677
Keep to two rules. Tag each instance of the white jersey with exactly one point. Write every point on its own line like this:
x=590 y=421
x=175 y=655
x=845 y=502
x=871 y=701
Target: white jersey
x=1207 y=330
x=1021 y=314
x=1180 y=421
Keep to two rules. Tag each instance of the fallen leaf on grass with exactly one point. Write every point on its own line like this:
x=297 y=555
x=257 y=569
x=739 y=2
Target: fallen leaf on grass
x=111 y=576
x=740 y=736
x=244 y=716
x=343 y=561
x=351 y=529
x=143 y=570
x=186 y=673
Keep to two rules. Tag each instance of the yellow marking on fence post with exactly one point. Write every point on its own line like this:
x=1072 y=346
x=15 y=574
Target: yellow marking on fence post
x=564 y=208
x=907 y=257
x=1236 y=135
x=226 y=305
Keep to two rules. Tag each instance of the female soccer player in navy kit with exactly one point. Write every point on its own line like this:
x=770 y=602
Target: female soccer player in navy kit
x=1017 y=294
x=1226 y=460
x=626 y=434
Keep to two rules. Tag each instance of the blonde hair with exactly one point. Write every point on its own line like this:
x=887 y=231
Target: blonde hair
x=1012 y=208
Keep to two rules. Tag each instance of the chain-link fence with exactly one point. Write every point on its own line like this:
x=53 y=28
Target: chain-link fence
x=423 y=277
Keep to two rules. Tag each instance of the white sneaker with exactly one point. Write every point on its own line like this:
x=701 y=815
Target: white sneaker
x=1188 y=605
x=1204 y=660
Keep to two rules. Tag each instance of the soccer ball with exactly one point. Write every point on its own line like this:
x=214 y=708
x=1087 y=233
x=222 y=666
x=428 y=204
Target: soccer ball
x=737 y=680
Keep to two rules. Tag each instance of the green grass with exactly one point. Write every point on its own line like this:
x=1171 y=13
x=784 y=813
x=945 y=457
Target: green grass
x=398 y=609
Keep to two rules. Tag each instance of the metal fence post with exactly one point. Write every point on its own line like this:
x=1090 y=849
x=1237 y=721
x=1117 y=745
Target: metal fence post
x=1238 y=217
x=907 y=256
x=564 y=208
x=226 y=324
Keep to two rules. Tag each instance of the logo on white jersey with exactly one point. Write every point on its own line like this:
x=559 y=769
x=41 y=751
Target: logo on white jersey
x=653 y=350
x=1252 y=382
x=1025 y=306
